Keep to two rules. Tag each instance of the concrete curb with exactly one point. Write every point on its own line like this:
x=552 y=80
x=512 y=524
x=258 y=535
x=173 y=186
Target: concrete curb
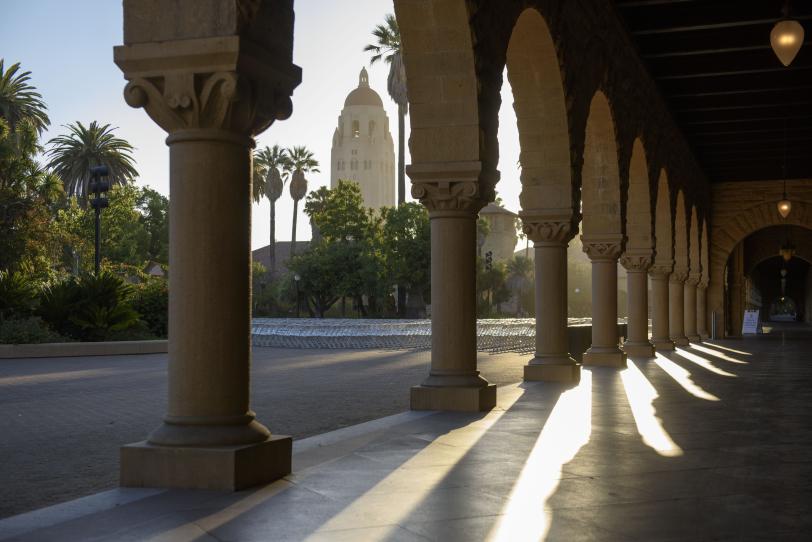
x=54 y=350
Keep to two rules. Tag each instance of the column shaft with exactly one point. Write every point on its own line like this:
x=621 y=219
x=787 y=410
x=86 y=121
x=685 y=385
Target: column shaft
x=676 y=305
x=702 y=311
x=453 y=382
x=637 y=343
x=604 y=349
x=660 y=312
x=690 y=311
x=552 y=361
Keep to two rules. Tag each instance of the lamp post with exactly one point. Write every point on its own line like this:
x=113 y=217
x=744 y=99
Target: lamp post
x=99 y=187
x=296 y=279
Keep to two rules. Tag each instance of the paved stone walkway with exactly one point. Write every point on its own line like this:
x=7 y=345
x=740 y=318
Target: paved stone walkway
x=62 y=420
x=713 y=442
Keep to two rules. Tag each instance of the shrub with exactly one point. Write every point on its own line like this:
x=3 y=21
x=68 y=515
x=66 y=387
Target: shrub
x=17 y=295
x=28 y=331
x=151 y=300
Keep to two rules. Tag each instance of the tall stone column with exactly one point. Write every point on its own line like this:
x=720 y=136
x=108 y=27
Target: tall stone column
x=676 y=305
x=452 y=193
x=637 y=344
x=552 y=362
x=212 y=97
x=604 y=252
x=690 y=307
x=702 y=310
x=660 y=333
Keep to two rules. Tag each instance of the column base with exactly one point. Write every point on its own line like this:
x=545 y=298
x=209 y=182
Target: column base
x=680 y=341
x=228 y=468
x=559 y=369
x=695 y=338
x=639 y=350
x=607 y=358
x=459 y=399
x=663 y=345
x=704 y=335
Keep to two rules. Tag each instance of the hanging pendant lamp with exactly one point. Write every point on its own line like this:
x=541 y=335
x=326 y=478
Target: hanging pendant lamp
x=786 y=38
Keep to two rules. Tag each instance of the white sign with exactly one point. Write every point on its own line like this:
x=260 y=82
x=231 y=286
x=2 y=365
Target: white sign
x=750 y=322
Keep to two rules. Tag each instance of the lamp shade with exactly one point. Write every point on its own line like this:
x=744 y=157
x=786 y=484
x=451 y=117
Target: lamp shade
x=786 y=38
x=784 y=207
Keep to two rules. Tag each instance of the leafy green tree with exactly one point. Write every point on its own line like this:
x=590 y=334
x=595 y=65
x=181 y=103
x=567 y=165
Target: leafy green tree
x=271 y=172
x=17 y=294
x=492 y=289
x=154 y=209
x=20 y=100
x=520 y=280
x=407 y=249
x=300 y=162
x=387 y=48
x=83 y=147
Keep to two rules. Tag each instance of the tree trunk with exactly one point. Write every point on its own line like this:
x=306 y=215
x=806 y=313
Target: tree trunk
x=401 y=155
x=293 y=234
x=272 y=246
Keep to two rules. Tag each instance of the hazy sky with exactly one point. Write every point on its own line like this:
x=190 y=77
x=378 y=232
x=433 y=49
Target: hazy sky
x=68 y=47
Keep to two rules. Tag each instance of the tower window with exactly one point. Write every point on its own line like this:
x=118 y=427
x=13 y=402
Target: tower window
x=356 y=129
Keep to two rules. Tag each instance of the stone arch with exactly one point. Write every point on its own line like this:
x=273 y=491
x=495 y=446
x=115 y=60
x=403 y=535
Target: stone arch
x=600 y=177
x=638 y=208
x=681 y=256
x=446 y=129
x=541 y=113
x=663 y=224
x=801 y=237
x=728 y=234
x=694 y=263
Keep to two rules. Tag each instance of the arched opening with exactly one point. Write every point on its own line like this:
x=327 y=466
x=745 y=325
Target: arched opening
x=663 y=224
x=638 y=207
x=681 y=256
x=600 y=178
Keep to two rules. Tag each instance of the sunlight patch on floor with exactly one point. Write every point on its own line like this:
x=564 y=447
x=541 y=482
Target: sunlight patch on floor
x=702 y=362
x=62 y=376
x=683 y=378
x=741 y=352
x=641 y=395
x=567 y=430
x=433 y=463
x=715 y=353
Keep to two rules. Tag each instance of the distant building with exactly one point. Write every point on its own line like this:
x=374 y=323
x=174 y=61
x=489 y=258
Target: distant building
x=501 y=240
x=363 y=150
x=263 y=256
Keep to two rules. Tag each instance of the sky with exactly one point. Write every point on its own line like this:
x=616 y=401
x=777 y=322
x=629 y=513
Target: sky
x=68 y=47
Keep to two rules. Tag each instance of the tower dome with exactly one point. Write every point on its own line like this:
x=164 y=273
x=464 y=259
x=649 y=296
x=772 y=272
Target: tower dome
x=363 y=95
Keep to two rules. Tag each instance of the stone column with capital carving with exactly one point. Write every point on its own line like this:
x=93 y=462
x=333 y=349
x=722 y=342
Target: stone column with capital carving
x=604 y=252
x=702 y=310
x=453 y=192
x=660 y=332
x=690 y=307
x=550 y=234
x=637 y=344
x=212 y=87
x=676 y=305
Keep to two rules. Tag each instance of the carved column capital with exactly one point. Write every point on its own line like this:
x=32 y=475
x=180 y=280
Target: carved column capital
x=451 y=188
x=661 y=269
x=693 y=279
x=220 y=84
x=548 y=228
x=678 y=275
x=603 y=248
x=636 y=262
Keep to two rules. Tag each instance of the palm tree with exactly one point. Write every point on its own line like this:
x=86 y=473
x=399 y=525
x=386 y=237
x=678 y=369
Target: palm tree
x=20 y=100
x=270 y=175
x=301 y=161
x=520 y=271
x=72 y=155
x=387 y=48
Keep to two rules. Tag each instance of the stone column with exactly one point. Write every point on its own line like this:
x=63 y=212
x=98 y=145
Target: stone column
x=550 y=235
x=452 y=194
x=637 y=344
x=212 y=100
x=702 y=310
x=676 y=305
x=660 y=335
x=690 y=307
x=604 y=252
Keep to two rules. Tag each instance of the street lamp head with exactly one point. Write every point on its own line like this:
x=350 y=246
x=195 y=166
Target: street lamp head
x=100 y=171
x=296 y=277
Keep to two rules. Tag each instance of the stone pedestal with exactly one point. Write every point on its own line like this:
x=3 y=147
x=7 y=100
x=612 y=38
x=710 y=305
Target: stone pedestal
x=690 y=309
x=604 y=252
x=637 y=344
x=212 y=100
x=660 y=336
x=676 y=304
x=451 y=192
x=550 y=235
